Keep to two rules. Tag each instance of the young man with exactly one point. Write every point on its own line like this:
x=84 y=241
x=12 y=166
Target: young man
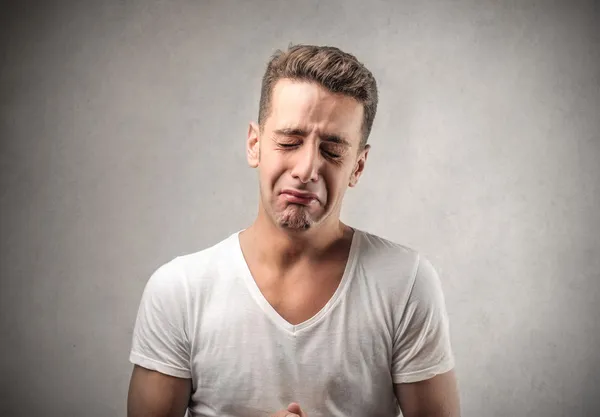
x=299 y=312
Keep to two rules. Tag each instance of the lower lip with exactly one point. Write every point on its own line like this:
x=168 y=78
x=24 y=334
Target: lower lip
x=298 y=200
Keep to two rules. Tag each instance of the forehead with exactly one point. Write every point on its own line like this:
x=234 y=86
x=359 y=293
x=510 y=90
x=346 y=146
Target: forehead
x=310 y=106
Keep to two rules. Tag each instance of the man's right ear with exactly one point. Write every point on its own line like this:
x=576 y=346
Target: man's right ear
x=253 y=145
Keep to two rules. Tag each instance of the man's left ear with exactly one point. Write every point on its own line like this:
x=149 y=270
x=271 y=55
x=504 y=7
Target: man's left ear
x=360 y=166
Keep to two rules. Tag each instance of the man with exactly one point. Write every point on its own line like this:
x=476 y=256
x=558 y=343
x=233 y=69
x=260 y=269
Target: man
x=299 y=312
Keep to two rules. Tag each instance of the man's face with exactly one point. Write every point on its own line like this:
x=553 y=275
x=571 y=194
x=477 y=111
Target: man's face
x=307 y=154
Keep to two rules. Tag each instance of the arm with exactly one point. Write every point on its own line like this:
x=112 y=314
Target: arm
x=434 y=397
x=161 y=381
x=423 y=363
x=152 y=394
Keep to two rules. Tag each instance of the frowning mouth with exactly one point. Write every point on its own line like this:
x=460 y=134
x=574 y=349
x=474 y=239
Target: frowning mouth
x=299 y=197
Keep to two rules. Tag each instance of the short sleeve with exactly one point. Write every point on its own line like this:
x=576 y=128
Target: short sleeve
x=421 y=343
x=160 y=340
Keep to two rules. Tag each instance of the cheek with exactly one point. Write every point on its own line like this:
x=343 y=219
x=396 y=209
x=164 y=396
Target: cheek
x=271 y=173
x=336 y=183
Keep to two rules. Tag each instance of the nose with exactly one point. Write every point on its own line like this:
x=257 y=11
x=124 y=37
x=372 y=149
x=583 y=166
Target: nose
x=306 y=164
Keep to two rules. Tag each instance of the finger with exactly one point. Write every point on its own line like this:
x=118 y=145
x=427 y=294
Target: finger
x=295 y=408
x=284 y=413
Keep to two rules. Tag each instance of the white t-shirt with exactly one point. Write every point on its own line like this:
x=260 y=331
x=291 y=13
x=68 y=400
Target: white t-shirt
x=203 y=317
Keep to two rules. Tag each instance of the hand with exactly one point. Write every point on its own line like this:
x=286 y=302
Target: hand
x=293 y=410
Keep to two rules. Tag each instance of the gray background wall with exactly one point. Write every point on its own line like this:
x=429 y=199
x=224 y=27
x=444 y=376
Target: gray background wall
x=122 y=145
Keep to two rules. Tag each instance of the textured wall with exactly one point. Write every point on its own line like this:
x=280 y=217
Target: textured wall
x=122 y=130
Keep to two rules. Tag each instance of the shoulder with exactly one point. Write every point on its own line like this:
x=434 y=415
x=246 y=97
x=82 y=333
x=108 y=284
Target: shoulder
x=205 y=262
x=396 y=266
x=384 y=254
x=189 y=269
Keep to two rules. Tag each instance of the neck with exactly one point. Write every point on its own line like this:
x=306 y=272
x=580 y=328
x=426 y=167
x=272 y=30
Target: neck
x=282 y=248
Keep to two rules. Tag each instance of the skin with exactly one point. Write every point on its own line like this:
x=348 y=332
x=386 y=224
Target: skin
x=153 y=394
x=435 y=397
x=297 y=248
x=309 y=142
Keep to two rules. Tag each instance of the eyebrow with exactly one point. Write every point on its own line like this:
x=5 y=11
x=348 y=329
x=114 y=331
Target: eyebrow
x=303 y=133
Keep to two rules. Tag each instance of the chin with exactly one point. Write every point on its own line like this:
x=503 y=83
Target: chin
x=293 y=223
x=294 y=219
x=296 y=226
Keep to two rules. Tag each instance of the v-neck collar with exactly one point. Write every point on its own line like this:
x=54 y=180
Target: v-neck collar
x=268 y=308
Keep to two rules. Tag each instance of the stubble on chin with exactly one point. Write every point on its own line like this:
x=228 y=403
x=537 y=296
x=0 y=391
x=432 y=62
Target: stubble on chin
x=294 y=218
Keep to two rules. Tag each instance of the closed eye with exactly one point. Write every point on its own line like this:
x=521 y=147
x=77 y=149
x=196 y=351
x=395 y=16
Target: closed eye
x=328 y=154
x=331 y=154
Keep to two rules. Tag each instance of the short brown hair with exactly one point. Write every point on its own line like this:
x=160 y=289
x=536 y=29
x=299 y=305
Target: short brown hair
x=330 y=67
